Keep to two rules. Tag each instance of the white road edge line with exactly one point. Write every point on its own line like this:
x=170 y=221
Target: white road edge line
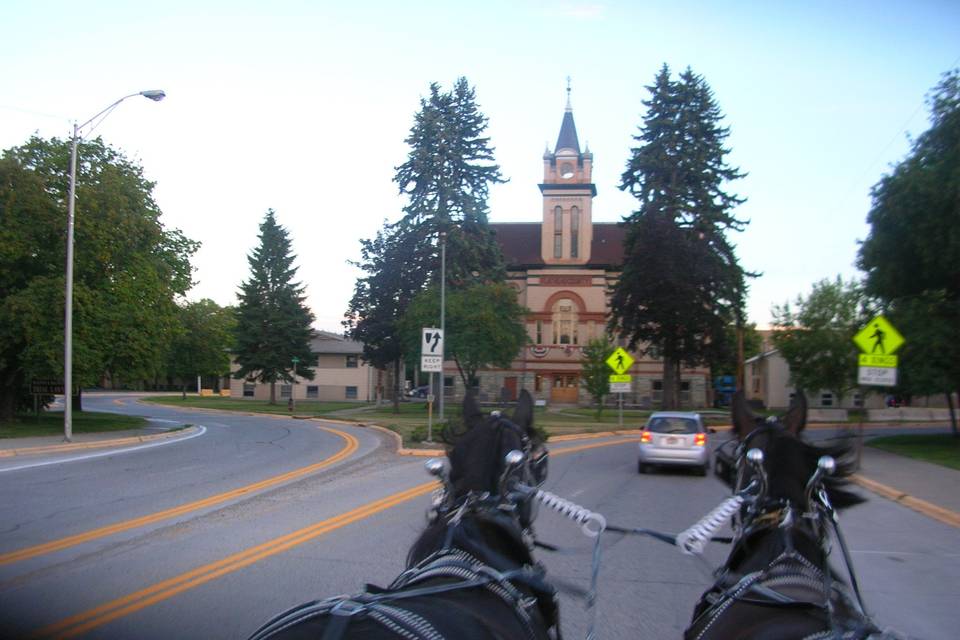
x=89 y=456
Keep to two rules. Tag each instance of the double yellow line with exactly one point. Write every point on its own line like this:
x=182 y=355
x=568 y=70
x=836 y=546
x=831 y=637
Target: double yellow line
x=126 y=605
x=63 y=543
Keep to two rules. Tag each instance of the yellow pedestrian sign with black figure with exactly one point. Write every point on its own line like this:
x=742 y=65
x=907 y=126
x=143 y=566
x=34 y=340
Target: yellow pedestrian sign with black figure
x=620 y=361
x=878 y=341
x=879 y=338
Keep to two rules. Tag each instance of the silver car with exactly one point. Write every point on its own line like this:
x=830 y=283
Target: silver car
x=674 y=438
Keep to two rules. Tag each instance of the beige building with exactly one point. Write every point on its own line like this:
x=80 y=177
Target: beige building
x=563 y=267
x=340 y=374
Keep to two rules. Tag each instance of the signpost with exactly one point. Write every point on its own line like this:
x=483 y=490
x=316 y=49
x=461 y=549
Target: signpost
x=293 y=402
x=878 y=341
x=431 y=361
x=620 y=361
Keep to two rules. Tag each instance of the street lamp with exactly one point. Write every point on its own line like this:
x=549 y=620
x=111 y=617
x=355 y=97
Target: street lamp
x=156 y=95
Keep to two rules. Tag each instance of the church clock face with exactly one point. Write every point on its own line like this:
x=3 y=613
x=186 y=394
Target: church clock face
x=566 y=171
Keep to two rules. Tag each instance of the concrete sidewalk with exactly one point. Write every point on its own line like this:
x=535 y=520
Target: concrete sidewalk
x=37 y=445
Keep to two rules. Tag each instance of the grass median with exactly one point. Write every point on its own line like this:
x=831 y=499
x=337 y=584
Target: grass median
x=29 y=425
x=940 y=448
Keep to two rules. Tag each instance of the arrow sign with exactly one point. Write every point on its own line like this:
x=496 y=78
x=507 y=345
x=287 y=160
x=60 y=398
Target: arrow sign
x=431 y=350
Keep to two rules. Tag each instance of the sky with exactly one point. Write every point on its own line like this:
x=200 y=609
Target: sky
x=303 y=107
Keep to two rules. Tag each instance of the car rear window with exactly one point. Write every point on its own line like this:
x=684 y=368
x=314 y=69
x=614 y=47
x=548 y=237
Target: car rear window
x=673 y=425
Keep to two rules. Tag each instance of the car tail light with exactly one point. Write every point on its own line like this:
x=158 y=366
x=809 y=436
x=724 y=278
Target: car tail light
x=644 y=436
x=700 y=439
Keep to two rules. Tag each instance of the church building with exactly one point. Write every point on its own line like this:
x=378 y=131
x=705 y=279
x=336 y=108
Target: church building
x=563 y=267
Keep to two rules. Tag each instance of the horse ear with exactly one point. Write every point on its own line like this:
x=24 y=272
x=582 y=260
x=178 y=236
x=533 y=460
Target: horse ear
x=743 y=419
x=472 y=416
x=523 y=414
x=796 y=418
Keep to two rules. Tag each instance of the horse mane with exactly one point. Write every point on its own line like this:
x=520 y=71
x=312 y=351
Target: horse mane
x=791 y=459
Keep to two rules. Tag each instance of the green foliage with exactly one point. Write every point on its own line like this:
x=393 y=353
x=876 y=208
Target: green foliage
x=912 y=253
x=484 y=325
x=273 y=322
x=678 y=233
x=595 y=374
x=203 y=340
x=816 y=337
x=447 y=177
x=128 y=268
x=725 y=361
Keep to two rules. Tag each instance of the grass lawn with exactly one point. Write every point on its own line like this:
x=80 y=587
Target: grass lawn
x=303 y=408
x=51 y=424
x=941 y=448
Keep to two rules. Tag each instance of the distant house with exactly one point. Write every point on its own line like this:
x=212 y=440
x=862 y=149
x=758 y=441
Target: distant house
x=767 y=378
x=340 y=374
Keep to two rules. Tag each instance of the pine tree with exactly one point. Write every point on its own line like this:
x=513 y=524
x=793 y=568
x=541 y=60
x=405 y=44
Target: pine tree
x=273 y=322
x=447 y=177
x=681 y=284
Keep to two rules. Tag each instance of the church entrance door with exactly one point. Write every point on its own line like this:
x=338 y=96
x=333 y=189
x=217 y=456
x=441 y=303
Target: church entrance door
x=566 y=387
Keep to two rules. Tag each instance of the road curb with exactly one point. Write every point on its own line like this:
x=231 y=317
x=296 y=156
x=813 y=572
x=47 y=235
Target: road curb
x=95 y=444
x=928 y=509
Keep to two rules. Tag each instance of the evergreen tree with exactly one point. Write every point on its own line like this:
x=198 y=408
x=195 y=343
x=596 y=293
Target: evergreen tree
x=681 y=284
x=447 y=177
x=273 y=323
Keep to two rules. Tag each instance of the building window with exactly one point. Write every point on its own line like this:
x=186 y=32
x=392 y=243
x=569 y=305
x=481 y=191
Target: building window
x=826 y=399
x=685 y=391
x=286 y=390
x=539 y=332
x=574 y=232
x=657 y=391
x=565 y=322
x=756 y=384
x=248 y=389
x=537 y=382
x=351 y=393
x=858 y=400
x=557 y=232
x=351 y=362
x=313 y=391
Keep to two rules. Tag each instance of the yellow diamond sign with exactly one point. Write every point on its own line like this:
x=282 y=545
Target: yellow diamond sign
x=879 y=338
x=620 y=361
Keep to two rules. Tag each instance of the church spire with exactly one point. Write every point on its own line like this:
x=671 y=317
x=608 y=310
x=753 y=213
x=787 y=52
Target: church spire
x=568 y=130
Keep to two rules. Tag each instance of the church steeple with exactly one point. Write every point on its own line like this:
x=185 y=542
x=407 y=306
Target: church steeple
x=568 y=130
x=568 y=191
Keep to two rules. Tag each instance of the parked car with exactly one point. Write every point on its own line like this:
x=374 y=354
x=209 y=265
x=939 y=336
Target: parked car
x=674 y=438
x=725 y=460
x=419 y=392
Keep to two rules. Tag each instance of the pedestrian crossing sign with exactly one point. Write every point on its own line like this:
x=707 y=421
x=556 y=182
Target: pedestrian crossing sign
x=620 y=361
x=879 y=338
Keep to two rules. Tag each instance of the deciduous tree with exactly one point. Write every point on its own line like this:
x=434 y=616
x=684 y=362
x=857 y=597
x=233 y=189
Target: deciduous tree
x=595 y=374
x=202 y=343
x=815 y=336
x=128 y=268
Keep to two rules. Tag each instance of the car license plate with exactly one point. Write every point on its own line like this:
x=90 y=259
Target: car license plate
x=671 y=441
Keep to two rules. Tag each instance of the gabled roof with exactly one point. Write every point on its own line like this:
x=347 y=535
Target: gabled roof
x=520 y=244
x=325 y=342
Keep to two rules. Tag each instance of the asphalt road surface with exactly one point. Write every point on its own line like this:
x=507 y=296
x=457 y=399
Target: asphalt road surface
x=208 y=537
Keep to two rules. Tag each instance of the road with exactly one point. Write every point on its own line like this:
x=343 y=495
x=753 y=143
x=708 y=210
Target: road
x=207 y=537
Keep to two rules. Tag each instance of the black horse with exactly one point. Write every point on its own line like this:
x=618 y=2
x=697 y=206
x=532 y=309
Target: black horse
x=777 y=581
x=470 y=574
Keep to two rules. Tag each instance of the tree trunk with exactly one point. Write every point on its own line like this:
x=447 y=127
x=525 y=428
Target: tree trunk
x=8 y=403
x=78 y=400
x=273 y=392
x=396 y=385
x=183 y=389
x=953 y=415
x=670 y=384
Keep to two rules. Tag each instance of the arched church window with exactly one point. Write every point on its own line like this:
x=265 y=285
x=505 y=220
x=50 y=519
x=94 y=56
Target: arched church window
x=574 y=232
x=564 y=316
x=557 y=232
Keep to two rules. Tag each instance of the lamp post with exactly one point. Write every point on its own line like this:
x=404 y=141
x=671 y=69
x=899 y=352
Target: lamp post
x=156 y=95
x=443 y=308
